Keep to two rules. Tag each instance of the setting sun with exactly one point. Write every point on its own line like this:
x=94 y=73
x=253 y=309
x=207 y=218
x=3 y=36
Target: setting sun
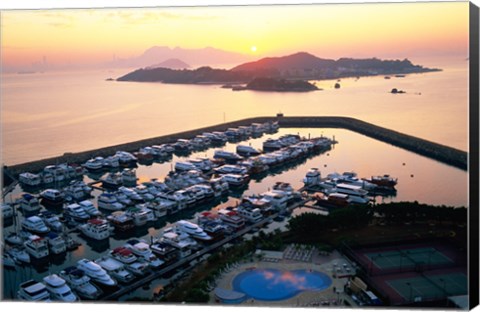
x=253 y=48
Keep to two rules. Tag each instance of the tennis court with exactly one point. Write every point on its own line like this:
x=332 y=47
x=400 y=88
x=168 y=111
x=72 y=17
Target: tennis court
x=392 y=259
x=421 y=288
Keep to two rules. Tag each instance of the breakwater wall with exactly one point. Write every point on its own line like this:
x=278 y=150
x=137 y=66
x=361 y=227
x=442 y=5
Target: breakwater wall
x=442 y=153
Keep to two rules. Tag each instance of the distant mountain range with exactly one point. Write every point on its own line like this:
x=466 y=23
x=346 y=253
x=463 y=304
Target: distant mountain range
x=298 y=66
x=194 y=57
x=171 y=63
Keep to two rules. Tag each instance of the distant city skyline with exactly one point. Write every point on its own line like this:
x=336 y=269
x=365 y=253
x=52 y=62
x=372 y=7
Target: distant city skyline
x=93 y=37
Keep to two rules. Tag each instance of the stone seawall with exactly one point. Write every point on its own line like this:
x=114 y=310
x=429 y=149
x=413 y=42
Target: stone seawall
x=442 y=153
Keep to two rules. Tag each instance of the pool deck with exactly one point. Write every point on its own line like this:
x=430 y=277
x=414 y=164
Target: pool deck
x=321 y=263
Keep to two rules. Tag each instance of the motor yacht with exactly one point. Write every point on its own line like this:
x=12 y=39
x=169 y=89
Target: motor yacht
x=231 y=219
x=80 y=283
x=247 y=150
x=142 y=250
x=184 y=166
x=58 y=289
x=36 y=247
x=123 y=255
x=108 y=201
x=231 y=169
x=129 y=177
x=30 y=179
x=116 y=269
x=33 y=291
x=98 y=229
x=193 y=230
x=35 y=225
x=312 y=178
x=56 y=243
x=52 y=197
x=236 y=180
x=112 y=180
x=121 y=221
x=89 y=208
x=250 y=215
x=94 y=164
x=29 y=204
x=95 y=272
x=229 y=156
x=75 y=212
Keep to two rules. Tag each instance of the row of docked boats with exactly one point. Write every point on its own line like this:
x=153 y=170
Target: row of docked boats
x=346 y=188
x=51 y=174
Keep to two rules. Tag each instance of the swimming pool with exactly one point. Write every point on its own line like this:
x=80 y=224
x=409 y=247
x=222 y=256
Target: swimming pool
x=273 y=285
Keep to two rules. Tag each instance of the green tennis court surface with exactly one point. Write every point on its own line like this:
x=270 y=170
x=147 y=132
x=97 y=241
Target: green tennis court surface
x=429 y=287
x=407 y=258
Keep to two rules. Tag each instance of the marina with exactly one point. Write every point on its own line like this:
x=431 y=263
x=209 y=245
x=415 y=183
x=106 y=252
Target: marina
x=261 y=201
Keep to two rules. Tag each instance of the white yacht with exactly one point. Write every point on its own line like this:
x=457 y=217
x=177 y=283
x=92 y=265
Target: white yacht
x=36 y=247
x=139 y=268
x=95 y=272
x=236 y=180
x=89 y=208
x=123 y=255
x=80 y=283
x=35 y=225
x=98 y=229
x=29 y=204
x=313 y=177
x=129 y=177
x=76 y=213
x=56 y=243
x=142 y=250
x=30 y=179
x=272 y=144
x=33 y=291
x=58 y=289
x=278 y=199
x=125 y=158
x=161 y=207
x=111 y=162
x=227 y=155
x=94 y=164
x=108 y=201
x=231 y=218
x=193 y=230
x=116 y=269
x=349 y=189
x=51 y=197
x=52 y=221
x=247 y=150
x=233 y=169
x=184 y=166
x=250 y=215
x=181 y=241
x=112 y=180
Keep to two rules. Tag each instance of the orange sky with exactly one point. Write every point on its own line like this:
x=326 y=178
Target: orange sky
x=360 y=30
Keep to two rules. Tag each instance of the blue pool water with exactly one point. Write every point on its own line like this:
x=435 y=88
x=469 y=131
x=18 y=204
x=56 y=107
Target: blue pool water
x=273 y=285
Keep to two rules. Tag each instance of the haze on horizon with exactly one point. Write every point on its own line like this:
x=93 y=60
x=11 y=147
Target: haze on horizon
x=63 y=39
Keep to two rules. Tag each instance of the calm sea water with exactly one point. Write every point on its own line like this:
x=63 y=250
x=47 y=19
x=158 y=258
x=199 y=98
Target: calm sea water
x=48 y=114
